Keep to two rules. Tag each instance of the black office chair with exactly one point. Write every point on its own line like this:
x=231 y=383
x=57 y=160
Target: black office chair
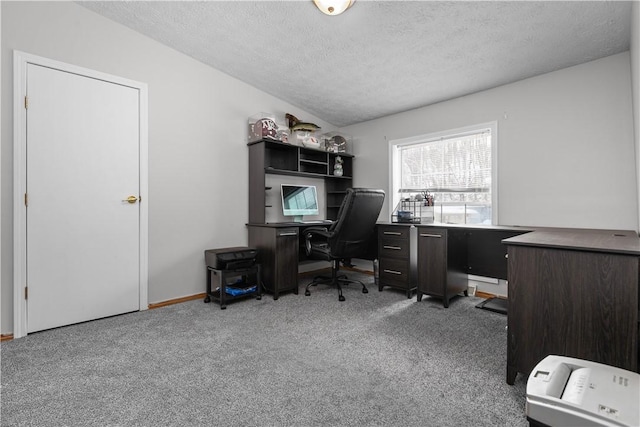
x=348 y=237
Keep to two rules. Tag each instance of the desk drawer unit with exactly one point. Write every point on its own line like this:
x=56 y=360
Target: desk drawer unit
x=442 y=262
x=277 y=253
x=432 y=263
x=394 y=258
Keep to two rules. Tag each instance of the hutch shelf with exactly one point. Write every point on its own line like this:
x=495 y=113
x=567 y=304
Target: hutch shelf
x=278 y=158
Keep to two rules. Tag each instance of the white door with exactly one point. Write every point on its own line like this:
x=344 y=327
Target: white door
x=82 y=161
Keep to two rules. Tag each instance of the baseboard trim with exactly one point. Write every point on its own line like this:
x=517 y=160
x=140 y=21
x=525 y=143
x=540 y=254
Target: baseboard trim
x=177 y=300
x=481 y=294
x=9 y=337
x=356 y=269
x=328 y=270
x=204 y=294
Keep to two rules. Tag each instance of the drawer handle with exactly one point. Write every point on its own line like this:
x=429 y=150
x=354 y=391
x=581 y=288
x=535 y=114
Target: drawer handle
x=395 y=248
x=392 y=271
x=291 y=233
x=430 y=235
x=392 y=233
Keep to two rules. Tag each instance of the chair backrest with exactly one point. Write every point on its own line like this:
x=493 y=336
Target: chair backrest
x=353 y=229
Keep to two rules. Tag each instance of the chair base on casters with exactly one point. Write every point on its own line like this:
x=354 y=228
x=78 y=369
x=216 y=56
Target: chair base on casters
x=334 y=280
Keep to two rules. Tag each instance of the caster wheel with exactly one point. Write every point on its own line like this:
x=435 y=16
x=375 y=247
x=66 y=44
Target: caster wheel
x=379 y=288
x=365 y=290
x=258 y=298
x=207 y=299
x=224 y=307
x=307 y=293
x=340 y=298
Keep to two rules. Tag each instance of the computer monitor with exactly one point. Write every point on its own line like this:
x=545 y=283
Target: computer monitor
x=299 y=200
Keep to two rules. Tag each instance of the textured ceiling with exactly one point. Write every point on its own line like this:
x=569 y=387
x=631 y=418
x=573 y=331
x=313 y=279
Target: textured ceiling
x=379 y=57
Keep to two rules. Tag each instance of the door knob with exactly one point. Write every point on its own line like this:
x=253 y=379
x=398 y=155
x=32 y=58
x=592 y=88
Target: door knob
x=131 y=199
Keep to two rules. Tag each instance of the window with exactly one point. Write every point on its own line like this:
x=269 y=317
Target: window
x=456 y=167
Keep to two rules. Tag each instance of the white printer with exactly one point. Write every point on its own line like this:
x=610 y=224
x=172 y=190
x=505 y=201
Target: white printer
x=562 y=391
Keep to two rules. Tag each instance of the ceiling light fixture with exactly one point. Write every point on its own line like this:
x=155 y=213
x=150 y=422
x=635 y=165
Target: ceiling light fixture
x=333 y=7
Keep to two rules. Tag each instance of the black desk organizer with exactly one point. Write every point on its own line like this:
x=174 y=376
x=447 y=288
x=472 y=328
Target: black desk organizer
x=232 y=263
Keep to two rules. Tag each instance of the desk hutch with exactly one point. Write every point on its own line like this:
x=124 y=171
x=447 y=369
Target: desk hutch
x=278 y=244
x=267 y=157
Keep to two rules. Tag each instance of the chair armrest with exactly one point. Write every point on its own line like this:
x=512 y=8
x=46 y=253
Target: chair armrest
x=313 y=234
x=320 y=231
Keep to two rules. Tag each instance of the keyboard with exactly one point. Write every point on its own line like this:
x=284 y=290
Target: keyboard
x=317 y=221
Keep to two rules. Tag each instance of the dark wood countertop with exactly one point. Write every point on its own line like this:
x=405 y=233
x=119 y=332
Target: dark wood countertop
x=462 y=226
x=478 y=227
x=596 y=240
x=399 y=224
x=470 y=226
x=612 y=241
x=289 y=224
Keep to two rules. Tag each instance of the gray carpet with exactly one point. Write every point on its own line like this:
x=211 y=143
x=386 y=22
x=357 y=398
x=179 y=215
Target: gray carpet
x=377 y=359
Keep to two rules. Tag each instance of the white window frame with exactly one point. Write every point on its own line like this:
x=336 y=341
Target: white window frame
x=394 y=160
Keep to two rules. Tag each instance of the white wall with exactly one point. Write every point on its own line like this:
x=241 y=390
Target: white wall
x=198 y=158
x=565 y=145
x=635 y=84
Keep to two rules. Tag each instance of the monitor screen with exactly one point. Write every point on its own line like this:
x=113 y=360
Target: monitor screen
x=299 y=200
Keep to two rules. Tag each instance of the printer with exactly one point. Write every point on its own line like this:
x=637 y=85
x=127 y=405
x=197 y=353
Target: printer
x=238 y=257
x=563 y=391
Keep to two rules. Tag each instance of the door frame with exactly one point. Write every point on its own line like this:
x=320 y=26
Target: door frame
x=20 y=63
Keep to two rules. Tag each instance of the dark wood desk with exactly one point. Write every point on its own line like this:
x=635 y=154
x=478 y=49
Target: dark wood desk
x=447 y=253
x=281 y=248
x=438 y=263
x=573 y=293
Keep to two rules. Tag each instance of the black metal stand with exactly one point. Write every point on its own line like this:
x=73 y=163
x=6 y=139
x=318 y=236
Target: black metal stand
x=220 y=294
